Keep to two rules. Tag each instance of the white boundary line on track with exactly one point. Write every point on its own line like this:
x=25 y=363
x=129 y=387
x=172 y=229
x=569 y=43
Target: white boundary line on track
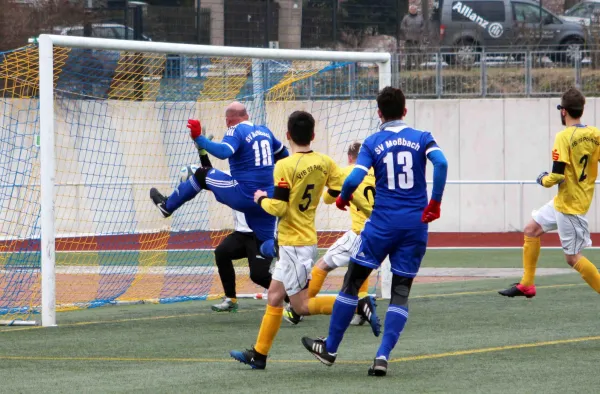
x=211 y=250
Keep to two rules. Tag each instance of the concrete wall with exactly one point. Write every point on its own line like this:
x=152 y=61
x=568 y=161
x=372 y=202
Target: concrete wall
x=290 y=24
x=217 y=20
x=110 y=154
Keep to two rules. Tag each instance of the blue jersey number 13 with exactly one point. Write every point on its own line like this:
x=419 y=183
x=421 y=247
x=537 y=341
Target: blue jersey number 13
x=406 y=176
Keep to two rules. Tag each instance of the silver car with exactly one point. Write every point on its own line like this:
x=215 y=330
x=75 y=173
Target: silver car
x=473 y=24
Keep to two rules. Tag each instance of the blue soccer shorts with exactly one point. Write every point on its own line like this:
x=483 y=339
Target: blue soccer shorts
x=239 y=197
x=406 y=248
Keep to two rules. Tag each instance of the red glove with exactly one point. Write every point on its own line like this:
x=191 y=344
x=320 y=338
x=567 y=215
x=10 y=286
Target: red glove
x=341 y=203
x=431 y=212
x=195 y=128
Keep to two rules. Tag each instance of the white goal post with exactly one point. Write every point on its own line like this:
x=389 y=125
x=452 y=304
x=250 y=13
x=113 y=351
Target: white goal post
x=48 y=158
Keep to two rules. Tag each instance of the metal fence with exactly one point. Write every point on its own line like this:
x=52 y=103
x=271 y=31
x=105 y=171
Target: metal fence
x=498 y=73
x=427 y=75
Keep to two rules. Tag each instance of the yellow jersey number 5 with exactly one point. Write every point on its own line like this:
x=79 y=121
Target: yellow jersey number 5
x=306 y=196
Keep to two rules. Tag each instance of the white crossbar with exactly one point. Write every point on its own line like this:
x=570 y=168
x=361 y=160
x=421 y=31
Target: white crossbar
x=211 y=50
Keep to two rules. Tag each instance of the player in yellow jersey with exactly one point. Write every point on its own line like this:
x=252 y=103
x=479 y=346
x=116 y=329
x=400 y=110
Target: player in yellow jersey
x=575 y=169
x=299 y=182
x=338 y=254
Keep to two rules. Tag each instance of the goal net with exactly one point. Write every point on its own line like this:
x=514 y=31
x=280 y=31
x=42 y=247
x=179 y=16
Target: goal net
x=114 y=127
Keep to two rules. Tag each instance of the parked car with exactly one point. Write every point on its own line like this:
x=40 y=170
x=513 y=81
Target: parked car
x=468 y=25
x=101 y=30
x=586 y=13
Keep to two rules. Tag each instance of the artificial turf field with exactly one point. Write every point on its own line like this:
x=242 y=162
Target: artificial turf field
x=461 y=337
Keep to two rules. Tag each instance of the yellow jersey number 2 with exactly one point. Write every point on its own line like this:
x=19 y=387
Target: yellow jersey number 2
x=584 y=160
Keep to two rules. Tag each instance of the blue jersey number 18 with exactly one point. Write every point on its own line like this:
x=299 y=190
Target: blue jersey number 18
x=406 y=176
x=267 y=156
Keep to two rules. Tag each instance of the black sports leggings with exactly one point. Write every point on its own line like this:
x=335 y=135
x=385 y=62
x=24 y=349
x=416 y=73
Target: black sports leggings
x=239 y=245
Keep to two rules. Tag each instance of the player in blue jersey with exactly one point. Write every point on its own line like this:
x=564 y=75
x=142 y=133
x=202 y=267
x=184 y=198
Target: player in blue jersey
x=397 y=227
x=252 y=151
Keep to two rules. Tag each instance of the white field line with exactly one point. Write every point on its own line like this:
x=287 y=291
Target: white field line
x=212 y=270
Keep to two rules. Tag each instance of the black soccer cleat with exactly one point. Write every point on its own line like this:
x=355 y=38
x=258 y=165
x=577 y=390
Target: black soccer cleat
x=291 y=316
x=368 y=309
x=518 y=290
x=316 y=347
x=160 y=201
x=250 y=357
x=379 y=367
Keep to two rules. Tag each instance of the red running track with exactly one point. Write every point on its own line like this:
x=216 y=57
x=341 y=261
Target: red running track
x=209 y=240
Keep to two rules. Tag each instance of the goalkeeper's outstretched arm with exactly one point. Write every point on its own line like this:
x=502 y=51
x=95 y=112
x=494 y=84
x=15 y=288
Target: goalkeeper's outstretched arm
x=220 y=150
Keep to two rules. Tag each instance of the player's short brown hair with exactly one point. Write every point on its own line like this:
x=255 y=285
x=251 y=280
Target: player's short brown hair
x=353 y=149
x=573 y=102
x=391 y=102
x=301 y=126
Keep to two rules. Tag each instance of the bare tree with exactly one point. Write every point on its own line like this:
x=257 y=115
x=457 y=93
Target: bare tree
x=18 y=22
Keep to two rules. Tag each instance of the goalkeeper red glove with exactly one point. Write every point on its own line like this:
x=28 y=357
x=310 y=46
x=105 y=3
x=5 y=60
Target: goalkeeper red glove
x=341 y=203
x=431 y=212
x=195 y=128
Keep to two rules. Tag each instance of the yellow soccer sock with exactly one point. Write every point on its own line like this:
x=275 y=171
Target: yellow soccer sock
x=321 y=305
x=316 y=282
x=588 y=272
x=268 y=329
x=531 y=253
x=364 y=289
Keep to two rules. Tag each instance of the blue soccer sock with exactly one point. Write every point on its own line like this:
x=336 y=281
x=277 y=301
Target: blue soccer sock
x=343 y=311
x=395 y=319
x=182 y=194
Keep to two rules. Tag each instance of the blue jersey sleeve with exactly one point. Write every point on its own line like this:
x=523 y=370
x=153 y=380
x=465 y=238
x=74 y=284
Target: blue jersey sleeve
x=232 y=139
x=283 y=153
x=279 y=150
x=365 y=157
x=277 y=145
x=440 y=166
x=352 y=182
x=429 y=143
x=217 y=149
